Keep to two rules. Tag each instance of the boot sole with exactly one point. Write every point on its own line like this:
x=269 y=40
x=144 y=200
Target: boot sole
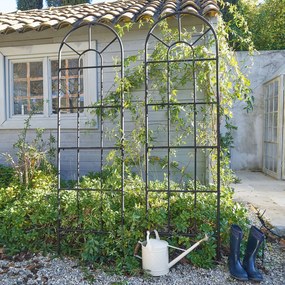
x=240 y=279
x=256 y=279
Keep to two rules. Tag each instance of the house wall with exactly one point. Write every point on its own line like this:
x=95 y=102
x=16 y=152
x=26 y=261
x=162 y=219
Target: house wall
x=248 y=138
x=133 y=41
x=247 y=151
x=11 y=127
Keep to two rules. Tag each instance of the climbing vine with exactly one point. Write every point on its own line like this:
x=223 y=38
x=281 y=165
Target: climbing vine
x=233 y=84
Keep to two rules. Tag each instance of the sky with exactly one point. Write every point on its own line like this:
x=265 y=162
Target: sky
x=11 y=6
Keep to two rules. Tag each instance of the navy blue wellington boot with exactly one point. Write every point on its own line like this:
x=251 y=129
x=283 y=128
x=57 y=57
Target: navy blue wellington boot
x=255 y=239
x=235 y=267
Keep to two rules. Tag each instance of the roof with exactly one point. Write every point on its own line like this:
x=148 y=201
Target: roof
x=112 y=12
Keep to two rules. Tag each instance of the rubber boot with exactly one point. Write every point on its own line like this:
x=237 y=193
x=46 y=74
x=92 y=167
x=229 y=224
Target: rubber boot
x=235 y=267
x=255 y=239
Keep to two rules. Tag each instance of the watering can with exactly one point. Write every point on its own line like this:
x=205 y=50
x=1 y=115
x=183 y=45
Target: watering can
x=155 y=258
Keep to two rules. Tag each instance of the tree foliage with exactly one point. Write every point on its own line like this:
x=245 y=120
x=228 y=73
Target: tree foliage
x=251 y=24
x=38 y=4
x=268 y=25
x=237 y=16
x=29 y=4
x=57 y=3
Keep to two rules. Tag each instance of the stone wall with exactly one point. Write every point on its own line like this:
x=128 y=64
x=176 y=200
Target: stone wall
x=261 y=67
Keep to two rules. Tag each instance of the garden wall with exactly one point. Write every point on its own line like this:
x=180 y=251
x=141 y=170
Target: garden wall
x=248 y=138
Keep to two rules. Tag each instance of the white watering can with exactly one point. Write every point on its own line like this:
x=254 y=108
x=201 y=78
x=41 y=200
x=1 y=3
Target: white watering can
x=155 y=258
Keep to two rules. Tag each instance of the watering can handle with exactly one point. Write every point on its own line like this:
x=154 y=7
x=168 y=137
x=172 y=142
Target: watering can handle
x=137 y=249
x=148 y=234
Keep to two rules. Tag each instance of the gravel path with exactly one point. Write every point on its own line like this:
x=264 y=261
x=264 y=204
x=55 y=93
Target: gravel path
x=37 y=269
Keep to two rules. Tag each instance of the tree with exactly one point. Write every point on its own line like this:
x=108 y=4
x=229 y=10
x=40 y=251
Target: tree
x=29 y=4
x=237 y=15
x=57 y=3
x=268 y=25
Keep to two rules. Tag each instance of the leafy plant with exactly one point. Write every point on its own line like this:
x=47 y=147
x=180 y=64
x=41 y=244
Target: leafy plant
x=31 y=156
x=7 y=175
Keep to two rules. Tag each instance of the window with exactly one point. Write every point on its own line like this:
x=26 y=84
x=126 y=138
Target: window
x=31 y=84
x=28 y=87
x=71 y=84
x=271 y=126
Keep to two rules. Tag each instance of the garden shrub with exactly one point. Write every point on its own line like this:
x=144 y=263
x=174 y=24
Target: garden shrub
x=28 y=216
x=7 y=175
x=29 y=219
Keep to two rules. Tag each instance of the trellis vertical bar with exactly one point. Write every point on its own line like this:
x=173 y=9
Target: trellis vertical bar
x=218 y=152
x=59 y=153
x=195 y=128
x=101 y=135
x=168 y=140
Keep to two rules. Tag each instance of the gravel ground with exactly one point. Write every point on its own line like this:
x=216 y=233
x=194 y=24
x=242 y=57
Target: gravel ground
x=37 y=269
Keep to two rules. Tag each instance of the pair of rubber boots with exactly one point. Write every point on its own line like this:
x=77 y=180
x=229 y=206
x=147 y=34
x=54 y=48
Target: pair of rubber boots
x=246 y=270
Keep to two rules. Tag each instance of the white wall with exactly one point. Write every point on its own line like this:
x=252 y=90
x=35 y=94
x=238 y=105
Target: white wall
x=247 y=153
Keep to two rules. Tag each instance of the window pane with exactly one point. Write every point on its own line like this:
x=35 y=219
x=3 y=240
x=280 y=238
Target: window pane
x=20 y=107
x=71 y=85
x=20 y=88
x=20 y=70
x=28 y=87
x=54 y=68
x=37 y=88
x=36 y=69
x=72 y=63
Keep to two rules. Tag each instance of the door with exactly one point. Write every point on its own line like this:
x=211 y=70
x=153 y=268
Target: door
x=273 y=129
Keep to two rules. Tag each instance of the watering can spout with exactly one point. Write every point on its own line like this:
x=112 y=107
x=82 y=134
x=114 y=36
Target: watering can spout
x=178 y=258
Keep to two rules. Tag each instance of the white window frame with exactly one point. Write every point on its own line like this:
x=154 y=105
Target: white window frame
x=44 y=53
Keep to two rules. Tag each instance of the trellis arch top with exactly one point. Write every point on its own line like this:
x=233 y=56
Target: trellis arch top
x=183 y=30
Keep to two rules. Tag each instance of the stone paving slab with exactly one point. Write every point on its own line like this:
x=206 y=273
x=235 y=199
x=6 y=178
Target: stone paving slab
x=266 y=194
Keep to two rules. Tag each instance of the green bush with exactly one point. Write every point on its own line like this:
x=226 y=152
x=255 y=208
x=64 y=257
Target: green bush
x=6 y=175
x=29 y=219
x=28 y=216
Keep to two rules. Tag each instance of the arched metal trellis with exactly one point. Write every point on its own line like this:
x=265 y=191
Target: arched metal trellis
x=182 y=118
x=83 y=143
x=181 y=112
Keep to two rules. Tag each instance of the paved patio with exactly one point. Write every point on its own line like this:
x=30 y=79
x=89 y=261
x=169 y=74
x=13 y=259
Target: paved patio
x=266 y=194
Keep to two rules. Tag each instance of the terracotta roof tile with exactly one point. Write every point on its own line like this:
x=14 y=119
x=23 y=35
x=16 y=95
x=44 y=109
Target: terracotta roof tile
x=107 y=12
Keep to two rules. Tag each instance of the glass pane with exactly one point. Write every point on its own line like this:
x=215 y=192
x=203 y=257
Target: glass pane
x=54 y=87
x=276 y=88
x=20 y=107
x=276 y=104
x=275 y=135
x=54 y=67
x=36 y=69
x=275 y=119
x=19 y=70
x=37 y=105
x=62 y=87
x=270 y=101
x=37 y=88
x=20 y=88
x=71 y=84
x=72 y=63
x=28 y=87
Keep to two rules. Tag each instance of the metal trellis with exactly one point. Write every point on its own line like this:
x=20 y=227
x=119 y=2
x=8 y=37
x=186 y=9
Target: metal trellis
x=199 y=46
